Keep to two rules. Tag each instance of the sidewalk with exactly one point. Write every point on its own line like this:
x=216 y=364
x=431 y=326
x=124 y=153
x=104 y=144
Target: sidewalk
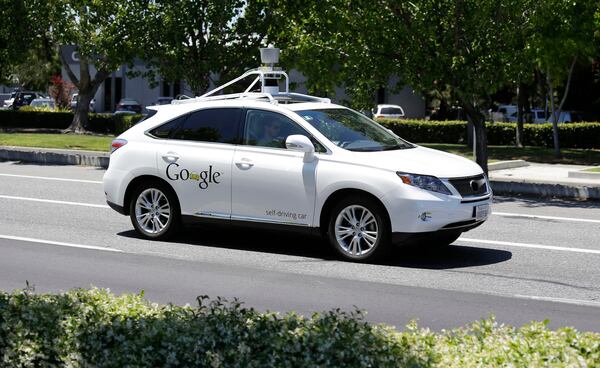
x=547 y=180
x=507 y=178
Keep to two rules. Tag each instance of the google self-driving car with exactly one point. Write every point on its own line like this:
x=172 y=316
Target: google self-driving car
x=292 y=161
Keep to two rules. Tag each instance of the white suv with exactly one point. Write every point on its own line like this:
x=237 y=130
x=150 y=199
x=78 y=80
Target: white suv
x=295 y=162
x=388 y=112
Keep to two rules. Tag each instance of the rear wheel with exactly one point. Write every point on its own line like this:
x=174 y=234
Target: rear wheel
x=154 y=210
x=359 y=229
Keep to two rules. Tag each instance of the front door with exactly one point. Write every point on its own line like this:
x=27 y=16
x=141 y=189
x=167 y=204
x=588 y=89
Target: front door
x=270 y=183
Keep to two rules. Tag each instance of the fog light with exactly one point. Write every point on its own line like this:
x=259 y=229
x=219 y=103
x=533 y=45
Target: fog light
x=425 y=216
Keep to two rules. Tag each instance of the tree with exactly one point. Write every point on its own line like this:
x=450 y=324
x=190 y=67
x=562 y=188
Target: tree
x=562 y=34
x=336 y=43
x=455 y=46
x=12 y=48
x=197 y=39
x=26 y=57
x=106 y=35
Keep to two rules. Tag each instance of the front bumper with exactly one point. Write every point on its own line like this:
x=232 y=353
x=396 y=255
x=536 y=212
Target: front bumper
x=116 y=207
x=413 y=210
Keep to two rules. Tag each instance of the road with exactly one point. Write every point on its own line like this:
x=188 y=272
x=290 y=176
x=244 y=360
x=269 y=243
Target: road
x=533 y=260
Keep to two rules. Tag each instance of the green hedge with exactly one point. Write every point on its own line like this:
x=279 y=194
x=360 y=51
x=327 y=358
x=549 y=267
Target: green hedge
x=571 y=135
x=96 y=329
x=101 y=123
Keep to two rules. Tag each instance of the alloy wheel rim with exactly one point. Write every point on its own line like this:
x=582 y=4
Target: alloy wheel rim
x=152 y=211
x=356 y=230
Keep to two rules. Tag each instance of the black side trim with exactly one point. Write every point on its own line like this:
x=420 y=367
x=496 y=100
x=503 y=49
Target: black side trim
x=195 y=220
x=116 y=207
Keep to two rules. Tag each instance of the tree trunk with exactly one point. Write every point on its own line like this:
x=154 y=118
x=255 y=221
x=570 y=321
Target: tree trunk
x=521 y=102
x=478 y=121
x=554 y=117
x=567 y=87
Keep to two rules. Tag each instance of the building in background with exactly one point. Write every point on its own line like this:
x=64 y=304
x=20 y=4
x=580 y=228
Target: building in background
x=120 y=85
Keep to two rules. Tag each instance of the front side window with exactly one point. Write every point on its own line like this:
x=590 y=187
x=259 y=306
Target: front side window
x=211 y=125
x=352 y=131
x=269 y=129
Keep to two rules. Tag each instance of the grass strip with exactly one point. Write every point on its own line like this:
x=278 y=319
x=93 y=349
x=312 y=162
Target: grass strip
x=61 y=141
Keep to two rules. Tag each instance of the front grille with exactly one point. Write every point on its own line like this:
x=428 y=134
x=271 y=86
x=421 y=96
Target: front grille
x=473 y=186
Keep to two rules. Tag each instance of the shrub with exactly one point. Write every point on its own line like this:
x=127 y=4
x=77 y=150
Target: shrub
x=425 y=131
x=571 y=135
x=96 y=328
x=35 y=119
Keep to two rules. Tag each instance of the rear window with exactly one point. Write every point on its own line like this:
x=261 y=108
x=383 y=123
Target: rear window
x=211 y=125
x=391 y=111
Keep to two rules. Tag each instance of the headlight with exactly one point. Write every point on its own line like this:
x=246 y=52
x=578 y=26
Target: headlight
x=426 y=182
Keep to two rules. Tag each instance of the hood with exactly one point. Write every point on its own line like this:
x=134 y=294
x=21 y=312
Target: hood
x=420 y=160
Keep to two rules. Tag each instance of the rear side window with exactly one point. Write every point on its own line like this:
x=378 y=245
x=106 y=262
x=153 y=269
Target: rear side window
x=166 y=130
x=211 y=125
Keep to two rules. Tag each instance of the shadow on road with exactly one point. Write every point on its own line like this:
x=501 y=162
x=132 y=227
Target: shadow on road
x=285 y=243
x=441 y=258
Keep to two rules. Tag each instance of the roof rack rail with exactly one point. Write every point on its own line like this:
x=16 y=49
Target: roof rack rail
x=268 y=75
x=245 y=95
x=293 y=97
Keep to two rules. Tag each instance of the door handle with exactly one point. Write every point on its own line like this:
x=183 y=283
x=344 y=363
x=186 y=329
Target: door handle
x=170 y=157
x=244 y=163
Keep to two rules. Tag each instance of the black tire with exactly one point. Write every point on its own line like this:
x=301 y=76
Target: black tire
x=381 y=246
x=174 y=220
x=444 y=238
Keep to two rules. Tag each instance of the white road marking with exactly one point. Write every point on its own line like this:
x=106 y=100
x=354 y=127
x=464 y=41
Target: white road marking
x=55 y=202
x=535 y=246
x=63 y=244
x=50 y=178
x=590 y=303
x=507 y=214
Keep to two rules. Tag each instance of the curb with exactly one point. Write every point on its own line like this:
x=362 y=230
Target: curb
x=545 y=189
x=48 y=156
x=503 y=165
x=580 y=174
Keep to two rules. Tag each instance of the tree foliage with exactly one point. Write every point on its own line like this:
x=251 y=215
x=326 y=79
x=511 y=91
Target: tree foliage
x=561 y=36
x=106 y=34
x=196 y=40
x=27 y=57
x=460 y=47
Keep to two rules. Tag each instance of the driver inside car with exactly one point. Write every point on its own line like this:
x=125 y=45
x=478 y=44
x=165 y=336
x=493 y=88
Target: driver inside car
x=270 y=134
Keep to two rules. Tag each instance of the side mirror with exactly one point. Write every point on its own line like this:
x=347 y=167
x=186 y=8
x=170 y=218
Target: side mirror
x=301 y=143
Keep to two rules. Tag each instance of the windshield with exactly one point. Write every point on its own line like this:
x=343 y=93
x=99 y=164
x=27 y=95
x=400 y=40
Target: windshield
x=352 y=131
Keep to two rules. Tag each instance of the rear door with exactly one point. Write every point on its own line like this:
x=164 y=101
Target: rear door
x=196 y=160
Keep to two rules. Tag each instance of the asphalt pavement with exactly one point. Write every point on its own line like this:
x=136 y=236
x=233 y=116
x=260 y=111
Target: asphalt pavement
x=533 y=259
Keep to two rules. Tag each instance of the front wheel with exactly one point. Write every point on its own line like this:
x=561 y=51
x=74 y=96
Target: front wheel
x=359 y=229
x=154 y=211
